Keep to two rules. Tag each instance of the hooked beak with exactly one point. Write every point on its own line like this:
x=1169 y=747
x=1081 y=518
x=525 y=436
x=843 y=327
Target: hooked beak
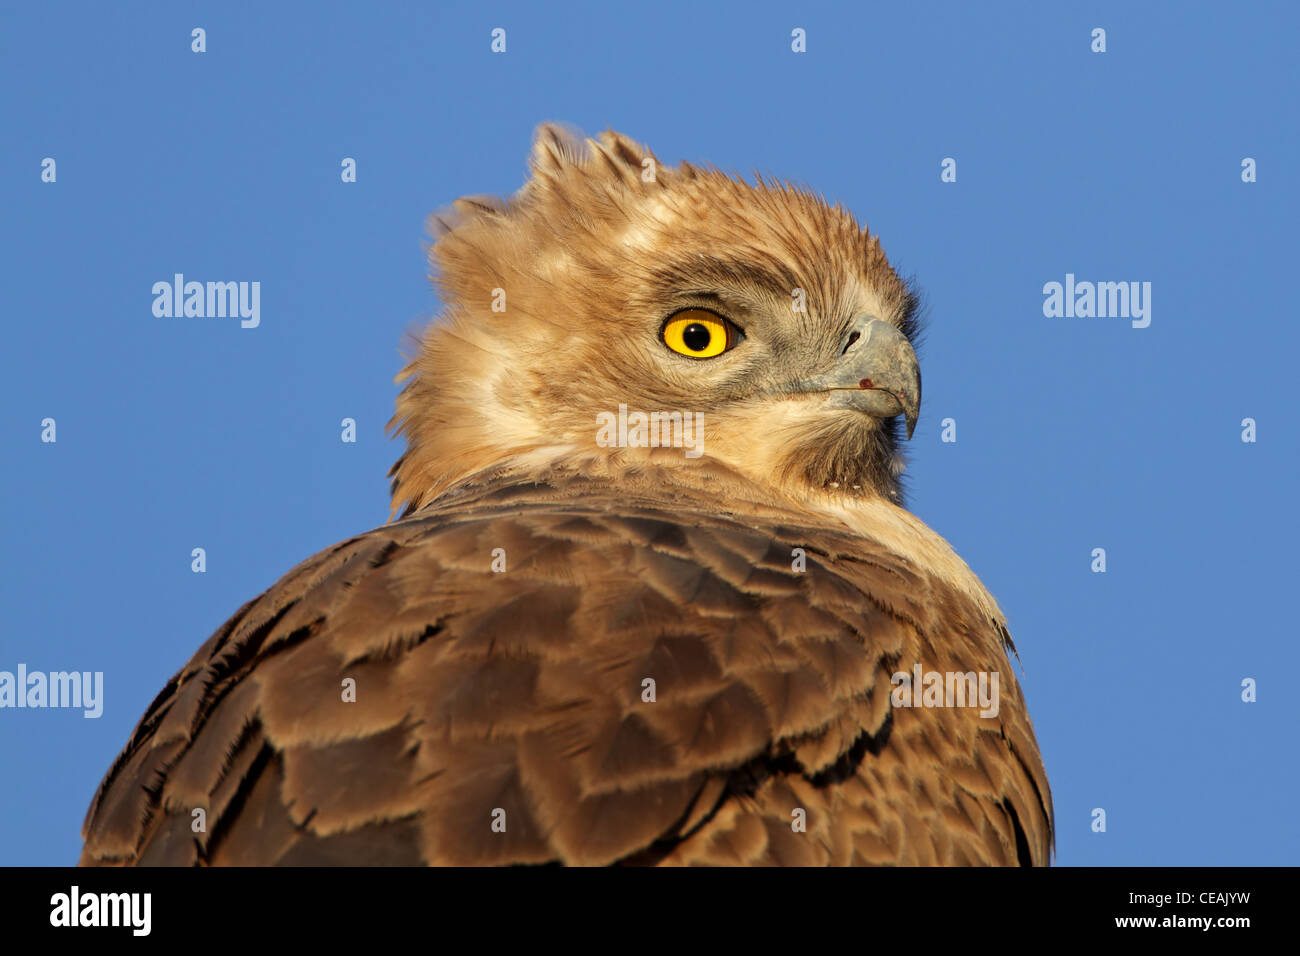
x=877 y=373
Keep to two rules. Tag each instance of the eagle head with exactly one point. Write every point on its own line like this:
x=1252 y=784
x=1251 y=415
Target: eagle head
x=614 y=305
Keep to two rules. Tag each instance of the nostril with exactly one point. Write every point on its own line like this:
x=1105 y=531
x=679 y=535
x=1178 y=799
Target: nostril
x=853 y=337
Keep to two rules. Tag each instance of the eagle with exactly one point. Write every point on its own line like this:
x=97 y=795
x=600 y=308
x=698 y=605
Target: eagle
x=649 y=593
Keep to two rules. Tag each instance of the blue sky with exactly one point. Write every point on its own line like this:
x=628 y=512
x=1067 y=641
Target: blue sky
x=1073 y=433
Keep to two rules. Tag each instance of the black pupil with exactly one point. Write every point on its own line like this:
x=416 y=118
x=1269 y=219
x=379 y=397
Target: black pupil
x=697 y=337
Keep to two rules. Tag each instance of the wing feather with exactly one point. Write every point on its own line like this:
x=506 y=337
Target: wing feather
x=484 y=698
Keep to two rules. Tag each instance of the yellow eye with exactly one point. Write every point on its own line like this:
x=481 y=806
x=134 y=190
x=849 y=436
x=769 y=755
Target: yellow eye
x=697 y=333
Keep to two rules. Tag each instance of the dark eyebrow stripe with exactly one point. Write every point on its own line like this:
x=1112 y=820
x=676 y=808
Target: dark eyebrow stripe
x=705 y=269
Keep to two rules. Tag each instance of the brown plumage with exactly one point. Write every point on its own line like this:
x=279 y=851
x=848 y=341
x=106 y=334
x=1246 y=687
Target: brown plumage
x=770 y=588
